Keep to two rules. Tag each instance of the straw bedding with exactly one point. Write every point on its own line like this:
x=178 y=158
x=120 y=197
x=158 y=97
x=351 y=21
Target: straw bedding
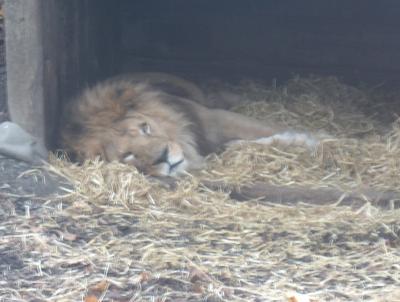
x=119 y=236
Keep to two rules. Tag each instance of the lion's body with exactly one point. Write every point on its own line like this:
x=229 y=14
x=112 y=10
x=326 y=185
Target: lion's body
x=153 y=123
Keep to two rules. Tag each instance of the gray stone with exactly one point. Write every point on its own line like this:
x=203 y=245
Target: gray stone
x=15 y=142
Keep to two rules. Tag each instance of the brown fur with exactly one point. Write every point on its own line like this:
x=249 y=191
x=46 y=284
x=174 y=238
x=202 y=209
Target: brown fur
x=136 y=122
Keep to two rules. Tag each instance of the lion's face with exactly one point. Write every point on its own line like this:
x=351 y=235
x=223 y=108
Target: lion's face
x=139 y=141
x=131 y=123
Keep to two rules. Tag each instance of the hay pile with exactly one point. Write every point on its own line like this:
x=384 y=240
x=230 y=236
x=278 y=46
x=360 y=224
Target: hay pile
x=118 y=236
x=362 y=150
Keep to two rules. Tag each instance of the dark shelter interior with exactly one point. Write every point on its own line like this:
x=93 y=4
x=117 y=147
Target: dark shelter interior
x=87 y=40
x=357 y=40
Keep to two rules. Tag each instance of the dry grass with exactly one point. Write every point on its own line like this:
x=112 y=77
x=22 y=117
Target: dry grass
x=118 y=236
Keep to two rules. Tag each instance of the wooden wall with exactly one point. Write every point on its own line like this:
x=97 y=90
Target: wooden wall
x=355 y=39
x=53 y=49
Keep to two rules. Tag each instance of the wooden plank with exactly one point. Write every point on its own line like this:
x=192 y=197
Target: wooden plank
x=34 y=52
x=312 y=43
x=25 y=65
x=355 y=9
x=246 y=36
x=345 y=38
x=233 y=70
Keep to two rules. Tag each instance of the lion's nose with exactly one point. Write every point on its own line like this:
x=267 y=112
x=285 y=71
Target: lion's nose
x=171 y=154
x=171 y=161
x=163 y=158
x=174 y=154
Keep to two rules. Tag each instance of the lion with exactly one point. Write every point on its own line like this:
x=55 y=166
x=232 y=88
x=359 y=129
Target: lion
x=154 y=122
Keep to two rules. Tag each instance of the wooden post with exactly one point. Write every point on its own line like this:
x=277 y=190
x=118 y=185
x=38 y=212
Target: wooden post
x=53 y=49
x=25 y=65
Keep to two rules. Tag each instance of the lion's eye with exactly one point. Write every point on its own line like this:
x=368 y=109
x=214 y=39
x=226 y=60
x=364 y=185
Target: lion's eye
x=144 y=129
x=128 y=157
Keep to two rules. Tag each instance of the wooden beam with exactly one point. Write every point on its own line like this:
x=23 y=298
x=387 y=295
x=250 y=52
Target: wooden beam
x=25 y=65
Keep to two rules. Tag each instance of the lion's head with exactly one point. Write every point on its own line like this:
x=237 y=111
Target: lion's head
x=126 y=122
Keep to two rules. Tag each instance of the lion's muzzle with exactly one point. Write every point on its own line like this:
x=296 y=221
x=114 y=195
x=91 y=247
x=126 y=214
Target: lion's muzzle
x=171 y=161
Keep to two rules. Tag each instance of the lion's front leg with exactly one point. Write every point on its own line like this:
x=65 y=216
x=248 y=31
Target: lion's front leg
x=284 y=138
x=221 y=126
x=225 y=127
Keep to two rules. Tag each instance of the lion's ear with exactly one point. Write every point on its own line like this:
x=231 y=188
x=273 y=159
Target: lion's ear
x=111 y=110
x=115 y=111
x=123 y=98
